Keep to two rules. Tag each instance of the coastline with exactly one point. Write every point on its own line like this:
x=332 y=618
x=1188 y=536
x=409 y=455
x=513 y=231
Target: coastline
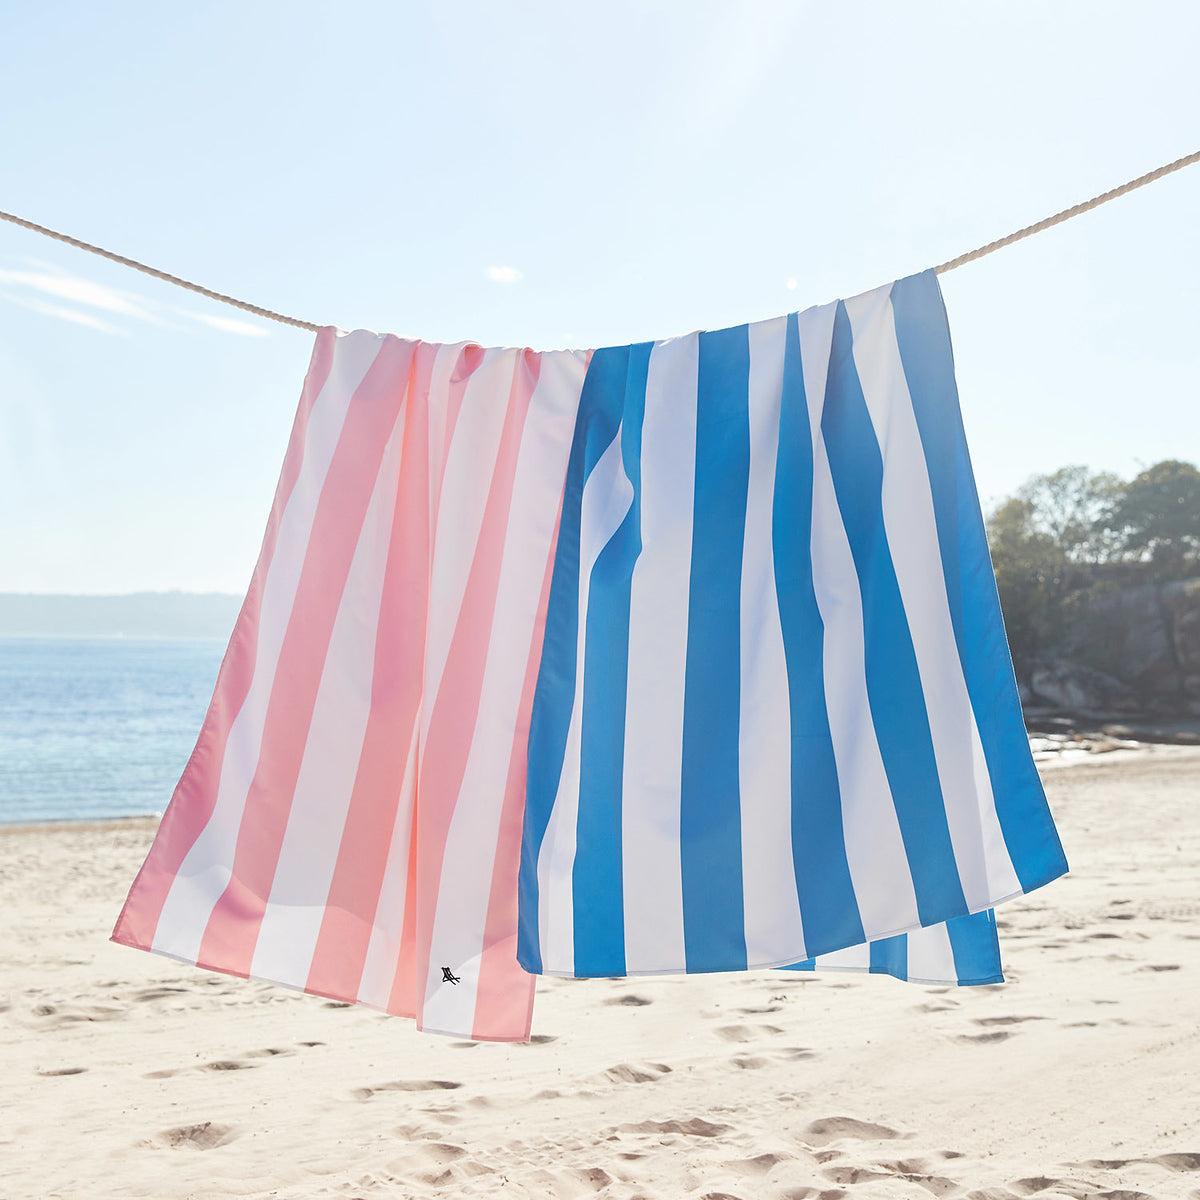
x=148 y=821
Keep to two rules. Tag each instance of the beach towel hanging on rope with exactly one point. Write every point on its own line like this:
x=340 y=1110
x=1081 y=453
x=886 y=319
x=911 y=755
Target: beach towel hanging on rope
x=774 y=716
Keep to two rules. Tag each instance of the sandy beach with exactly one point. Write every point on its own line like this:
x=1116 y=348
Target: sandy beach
x=129 y=1075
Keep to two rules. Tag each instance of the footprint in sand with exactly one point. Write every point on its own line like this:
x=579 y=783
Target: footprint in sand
x=853 y=1175
x=198 y=1137
x=748 y=1062
x=937 y=1185
x=829 y=1129
x=1006 y=1020
x=540 y=1039
x=158 y=993
x=760 y=1164
x=745 y=1033
x=441 y=1152
x=1178 y=1162
x=996 y=1035
x=632 y=1073
x=406 y=1085
x=631 y=999
x=65 y=1071
x=1160 y=967
x=1040 y=1183
x=695 y=1127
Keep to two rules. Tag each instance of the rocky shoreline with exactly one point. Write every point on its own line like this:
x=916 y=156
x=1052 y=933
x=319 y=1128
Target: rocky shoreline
x=1054 y=732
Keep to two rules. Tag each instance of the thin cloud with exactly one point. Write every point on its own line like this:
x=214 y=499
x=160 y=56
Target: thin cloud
x=62 y=313
x=504 y=274
x=226 y=324
x=78 y=290
x=27 y=285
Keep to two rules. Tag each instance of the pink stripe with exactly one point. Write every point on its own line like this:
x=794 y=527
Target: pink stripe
x=195 y=796
x=345 y=935
x=504 y=997
x=232 y=929
x=455 y=709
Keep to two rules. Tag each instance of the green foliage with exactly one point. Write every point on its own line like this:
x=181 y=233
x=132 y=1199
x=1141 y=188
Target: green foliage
x=1157 y=518
x=1031 y=575
x=1075 y=529
x=1072 y=506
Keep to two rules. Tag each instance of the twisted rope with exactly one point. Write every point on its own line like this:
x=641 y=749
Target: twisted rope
x=1068 y=213
x=1028 y=231
x=137 y=266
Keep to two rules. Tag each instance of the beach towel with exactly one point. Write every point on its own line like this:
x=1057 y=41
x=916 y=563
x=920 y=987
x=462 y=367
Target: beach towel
x=775 y=715
x=752 y=706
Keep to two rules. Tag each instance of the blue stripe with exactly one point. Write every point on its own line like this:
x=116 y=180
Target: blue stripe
x=923 y=336
x=976 y=948
x=828 y=906
x=893 y=681
x=595 y=427
x=710 y=824
x=597 y=879
x=889 y=956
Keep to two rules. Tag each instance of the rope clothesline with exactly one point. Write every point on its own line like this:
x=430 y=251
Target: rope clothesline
x=137 y=266
x=1068 y=213
x=1028 y=231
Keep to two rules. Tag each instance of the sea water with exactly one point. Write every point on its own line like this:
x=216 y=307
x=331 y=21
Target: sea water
x=96 y=728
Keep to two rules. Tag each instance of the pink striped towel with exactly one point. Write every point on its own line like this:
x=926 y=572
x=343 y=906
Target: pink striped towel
x=350 y=821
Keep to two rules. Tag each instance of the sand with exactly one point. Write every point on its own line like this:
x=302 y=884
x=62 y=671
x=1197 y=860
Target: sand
x=128 y=1075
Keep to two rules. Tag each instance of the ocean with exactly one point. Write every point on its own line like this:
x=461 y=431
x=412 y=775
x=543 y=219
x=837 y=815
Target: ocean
x=92 y=728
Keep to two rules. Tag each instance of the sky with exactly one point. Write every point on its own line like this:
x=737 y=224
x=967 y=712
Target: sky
x=549 y=174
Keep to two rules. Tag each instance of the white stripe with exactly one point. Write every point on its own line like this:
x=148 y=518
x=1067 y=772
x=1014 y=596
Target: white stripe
x=312 y=841
x=852 y=958
x=383 y=949
x=206 y=870
x=772 y=906
x=931 y=956
x=911 y=527
x=658 y=627
x=607 y=495
x=464 y=890
x=438 y=415
x=875 y=851
x=470 y=463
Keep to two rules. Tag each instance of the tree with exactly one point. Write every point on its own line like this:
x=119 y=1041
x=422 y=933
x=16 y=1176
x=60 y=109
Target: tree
x=1072 y=506
x=1158 y=517
x=1032 y=576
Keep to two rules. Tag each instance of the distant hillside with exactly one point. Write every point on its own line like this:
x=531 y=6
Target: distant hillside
x=142 y=614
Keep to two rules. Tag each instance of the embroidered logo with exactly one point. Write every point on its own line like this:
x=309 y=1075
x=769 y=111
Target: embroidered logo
x=448 y=976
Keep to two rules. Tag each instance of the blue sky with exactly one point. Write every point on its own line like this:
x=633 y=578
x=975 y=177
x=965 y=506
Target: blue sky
x=559 y=174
